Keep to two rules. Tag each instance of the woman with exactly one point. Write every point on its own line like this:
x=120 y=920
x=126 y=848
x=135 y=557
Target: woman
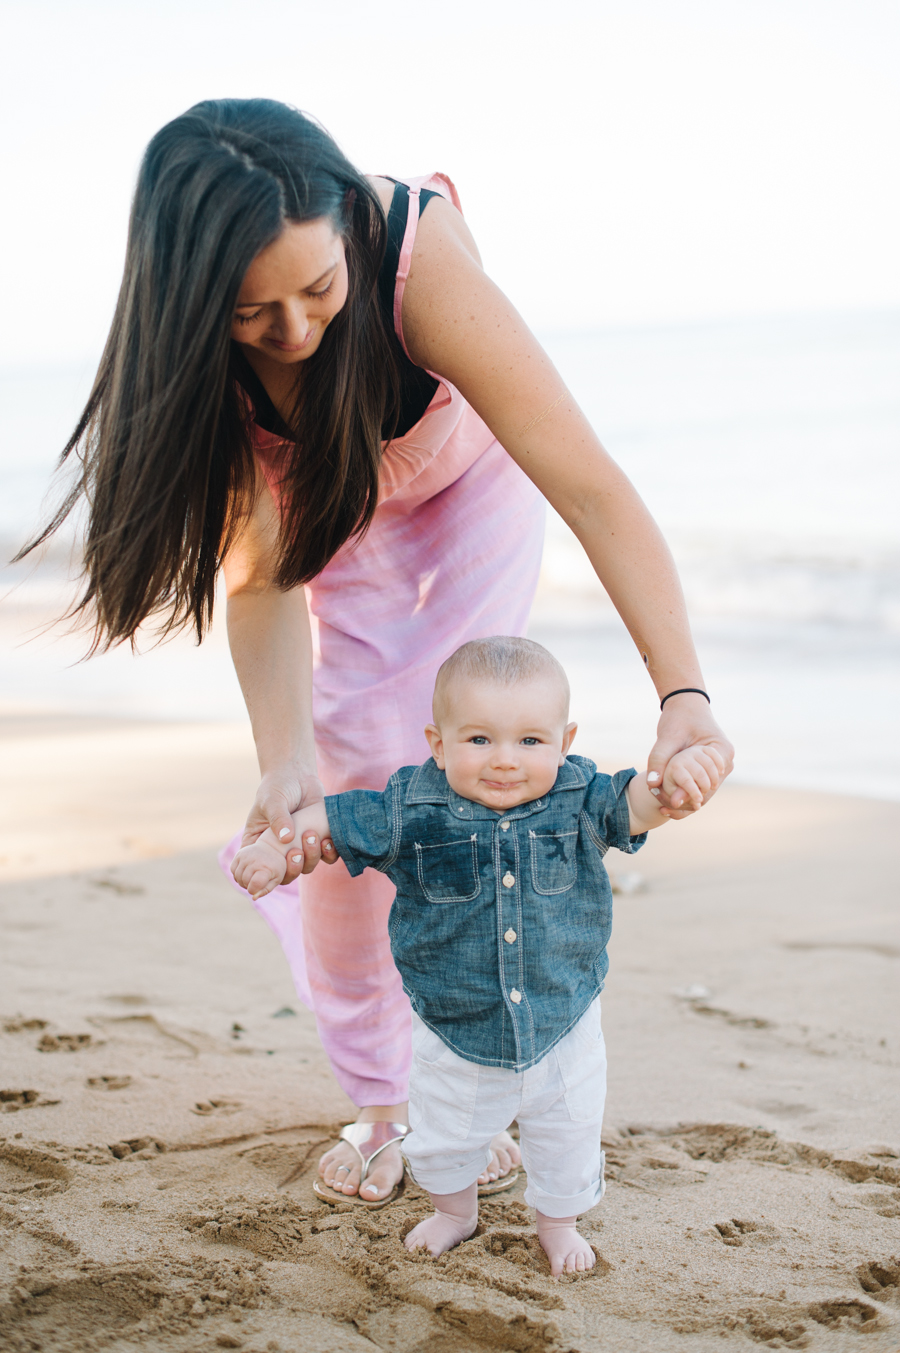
x=311 y=384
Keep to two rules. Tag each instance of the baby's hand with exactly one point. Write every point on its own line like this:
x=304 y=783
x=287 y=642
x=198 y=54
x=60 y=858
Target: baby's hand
x=259 y=868
x=693 y=770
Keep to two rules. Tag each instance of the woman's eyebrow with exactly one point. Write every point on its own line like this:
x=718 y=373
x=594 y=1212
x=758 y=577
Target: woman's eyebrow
x=249 y=305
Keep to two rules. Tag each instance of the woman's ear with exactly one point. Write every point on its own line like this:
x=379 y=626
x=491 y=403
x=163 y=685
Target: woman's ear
x=436 y=743
x=567 y=739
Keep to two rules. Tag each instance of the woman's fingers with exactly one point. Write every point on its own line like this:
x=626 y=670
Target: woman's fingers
x=312 y=852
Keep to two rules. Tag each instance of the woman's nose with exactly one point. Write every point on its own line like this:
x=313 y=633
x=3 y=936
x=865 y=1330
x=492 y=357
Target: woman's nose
x=292 y=323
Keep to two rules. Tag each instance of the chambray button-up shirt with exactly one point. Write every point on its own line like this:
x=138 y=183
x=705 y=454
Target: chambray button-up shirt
x=501 y=920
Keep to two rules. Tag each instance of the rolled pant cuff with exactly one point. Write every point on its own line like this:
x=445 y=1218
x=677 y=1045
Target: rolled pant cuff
x=552 y=1205
x=449 y=1180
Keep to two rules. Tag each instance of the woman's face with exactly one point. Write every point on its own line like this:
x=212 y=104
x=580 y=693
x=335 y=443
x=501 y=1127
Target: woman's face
x=291 y=292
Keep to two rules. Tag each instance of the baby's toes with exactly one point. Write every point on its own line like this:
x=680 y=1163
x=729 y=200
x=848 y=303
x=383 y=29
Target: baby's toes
x=580 y=1260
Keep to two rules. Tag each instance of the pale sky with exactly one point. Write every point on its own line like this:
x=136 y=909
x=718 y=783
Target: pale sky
x=621 y=162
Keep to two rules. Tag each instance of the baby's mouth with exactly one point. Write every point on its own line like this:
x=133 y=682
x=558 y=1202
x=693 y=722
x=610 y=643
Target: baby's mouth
x=503 y=784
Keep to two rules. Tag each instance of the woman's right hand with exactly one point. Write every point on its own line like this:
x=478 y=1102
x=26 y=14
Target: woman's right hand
x=280 y=794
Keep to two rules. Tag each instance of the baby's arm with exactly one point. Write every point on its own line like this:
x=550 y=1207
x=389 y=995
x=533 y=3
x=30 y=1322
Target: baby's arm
x=261 y=866
x=690 y=770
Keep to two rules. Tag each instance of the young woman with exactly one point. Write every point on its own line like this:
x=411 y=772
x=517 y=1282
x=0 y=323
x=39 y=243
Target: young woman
x=311 y=384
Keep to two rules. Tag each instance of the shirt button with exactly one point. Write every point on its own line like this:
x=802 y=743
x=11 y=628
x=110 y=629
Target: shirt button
x=510 y=936
x=515 y=996
x=504 y=826
x=509 y=880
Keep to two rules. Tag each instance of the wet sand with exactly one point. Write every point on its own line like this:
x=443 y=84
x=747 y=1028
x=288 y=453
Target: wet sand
x=159 y=1080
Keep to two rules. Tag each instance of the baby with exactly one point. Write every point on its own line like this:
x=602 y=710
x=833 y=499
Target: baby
x=499 y=930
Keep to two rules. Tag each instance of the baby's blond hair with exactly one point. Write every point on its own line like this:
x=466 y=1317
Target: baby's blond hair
x=501 y=659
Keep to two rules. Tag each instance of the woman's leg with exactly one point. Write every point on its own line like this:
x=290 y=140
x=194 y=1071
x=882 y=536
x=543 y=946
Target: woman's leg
x=362 y=1012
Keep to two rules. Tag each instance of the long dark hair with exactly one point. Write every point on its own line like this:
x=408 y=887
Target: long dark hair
x=166 y=464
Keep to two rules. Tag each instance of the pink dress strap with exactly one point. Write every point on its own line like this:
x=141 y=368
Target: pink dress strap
x=439 y=183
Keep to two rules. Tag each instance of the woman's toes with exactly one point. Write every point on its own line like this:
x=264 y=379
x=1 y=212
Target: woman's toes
x=347 y=1181
x=379 y=1182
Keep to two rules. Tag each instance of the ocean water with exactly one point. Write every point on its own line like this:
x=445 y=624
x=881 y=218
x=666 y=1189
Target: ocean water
x=767 y=450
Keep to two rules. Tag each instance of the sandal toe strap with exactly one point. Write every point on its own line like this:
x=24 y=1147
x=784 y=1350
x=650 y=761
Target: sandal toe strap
x=370 y=1139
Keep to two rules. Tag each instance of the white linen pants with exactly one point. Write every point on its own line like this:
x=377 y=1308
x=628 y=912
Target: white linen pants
x=456 y=1107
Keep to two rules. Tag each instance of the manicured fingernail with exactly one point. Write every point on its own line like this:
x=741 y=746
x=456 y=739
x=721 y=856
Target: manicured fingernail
x=327 y=845
x=653 y=775
x=296 y=859
x=285 y=831
x=656 y=791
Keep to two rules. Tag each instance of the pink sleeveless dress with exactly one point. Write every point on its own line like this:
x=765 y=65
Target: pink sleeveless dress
x=452 y=554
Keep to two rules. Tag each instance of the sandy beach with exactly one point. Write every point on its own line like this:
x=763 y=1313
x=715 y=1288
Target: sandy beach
x=165 y=1096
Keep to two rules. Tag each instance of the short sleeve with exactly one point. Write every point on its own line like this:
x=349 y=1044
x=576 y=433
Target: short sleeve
x=364 y=828
x=607 y=809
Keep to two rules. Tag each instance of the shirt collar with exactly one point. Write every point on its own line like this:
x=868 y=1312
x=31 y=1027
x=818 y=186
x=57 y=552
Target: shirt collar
x=429 y=785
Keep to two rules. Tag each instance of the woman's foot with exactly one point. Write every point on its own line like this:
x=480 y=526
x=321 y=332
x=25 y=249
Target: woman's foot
x=505 y=1156
x=567 y=1251
x=340 y=1167
x=454 y=1220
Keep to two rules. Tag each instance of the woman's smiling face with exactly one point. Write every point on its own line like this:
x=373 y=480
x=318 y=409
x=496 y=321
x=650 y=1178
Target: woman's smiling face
x=291 y=292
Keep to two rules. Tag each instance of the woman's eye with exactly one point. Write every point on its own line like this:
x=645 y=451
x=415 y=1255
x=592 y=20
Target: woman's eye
x=319 y=294
x=248 y=319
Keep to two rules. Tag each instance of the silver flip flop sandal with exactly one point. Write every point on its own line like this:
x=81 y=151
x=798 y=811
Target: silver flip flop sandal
x=368 y=1141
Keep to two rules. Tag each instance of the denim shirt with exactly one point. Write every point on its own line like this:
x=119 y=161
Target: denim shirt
x=501 y=920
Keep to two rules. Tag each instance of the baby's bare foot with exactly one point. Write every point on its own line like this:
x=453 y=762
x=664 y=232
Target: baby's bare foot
x=440 y=1233
x=455 y=1218
x=567 y=1251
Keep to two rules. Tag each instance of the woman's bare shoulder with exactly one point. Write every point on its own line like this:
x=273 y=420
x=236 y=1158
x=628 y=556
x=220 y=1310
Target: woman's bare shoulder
x=441 y=222
x=385 y=190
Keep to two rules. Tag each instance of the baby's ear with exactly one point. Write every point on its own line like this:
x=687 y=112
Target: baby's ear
x=568 y=738
x=436 y=743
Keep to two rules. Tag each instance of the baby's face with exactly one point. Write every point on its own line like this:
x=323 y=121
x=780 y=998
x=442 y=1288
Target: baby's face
x=502 y=745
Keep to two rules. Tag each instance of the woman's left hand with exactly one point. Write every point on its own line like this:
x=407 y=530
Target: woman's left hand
x=687 y=721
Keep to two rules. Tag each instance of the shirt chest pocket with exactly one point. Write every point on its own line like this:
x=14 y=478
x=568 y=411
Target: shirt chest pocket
x=553 y=868
x=448 y=870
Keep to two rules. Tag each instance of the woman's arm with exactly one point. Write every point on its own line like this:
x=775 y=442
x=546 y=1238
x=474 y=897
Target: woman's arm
x=459 y=324
x=269 y=636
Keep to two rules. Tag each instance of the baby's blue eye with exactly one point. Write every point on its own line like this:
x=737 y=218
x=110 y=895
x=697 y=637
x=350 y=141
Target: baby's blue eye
x=479 y=740
x=532 y=742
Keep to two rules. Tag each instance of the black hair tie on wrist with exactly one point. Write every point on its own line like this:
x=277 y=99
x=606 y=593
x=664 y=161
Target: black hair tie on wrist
x=685 y=690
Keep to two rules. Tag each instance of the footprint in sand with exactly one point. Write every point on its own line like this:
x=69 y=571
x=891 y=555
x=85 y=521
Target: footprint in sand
x=206 y=1107
x=880 y=1278
x=11 y=1101
x=109 y=1082
x=845 y=1314
x=21 y=1026
x=137 y=1148
x=64 y=1042
x=739 y=1232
